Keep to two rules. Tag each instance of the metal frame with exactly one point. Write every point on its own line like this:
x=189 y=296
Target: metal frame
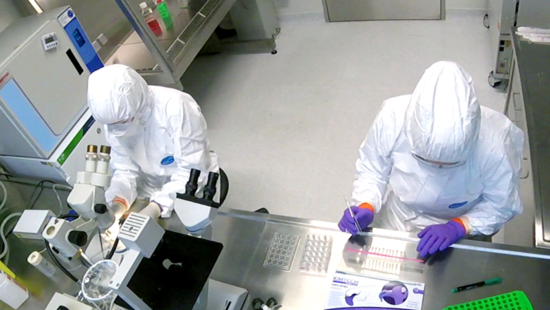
x=442 y=13
x=530 y=153
x=119 y=283
x=174 y=61
x=325 y=11
x=163 y=60
x=505 y=12
x=147 y=36
x=203 y=33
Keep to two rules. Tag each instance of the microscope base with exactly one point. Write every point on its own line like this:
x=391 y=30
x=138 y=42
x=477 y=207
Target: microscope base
x=225 y=296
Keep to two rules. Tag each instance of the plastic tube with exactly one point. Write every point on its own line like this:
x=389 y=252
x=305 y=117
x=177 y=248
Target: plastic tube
x=54 y=187
x=3 y=237
x=39 y=262
x=5 y=195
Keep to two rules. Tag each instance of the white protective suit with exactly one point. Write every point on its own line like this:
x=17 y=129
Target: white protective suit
x=162 y=136
x=441 y=121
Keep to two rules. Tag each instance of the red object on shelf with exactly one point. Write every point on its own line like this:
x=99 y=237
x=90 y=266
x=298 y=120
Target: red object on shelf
x=155 y=26
x=150 y=19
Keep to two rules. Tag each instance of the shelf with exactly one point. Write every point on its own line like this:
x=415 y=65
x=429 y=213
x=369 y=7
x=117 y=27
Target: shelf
x=193 y=23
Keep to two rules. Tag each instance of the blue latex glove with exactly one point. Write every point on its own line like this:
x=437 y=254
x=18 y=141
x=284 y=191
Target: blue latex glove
x=439 y=237
x=364 y=219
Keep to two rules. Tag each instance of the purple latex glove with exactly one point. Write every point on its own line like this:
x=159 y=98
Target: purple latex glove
x=364 y=219
x=439 y=237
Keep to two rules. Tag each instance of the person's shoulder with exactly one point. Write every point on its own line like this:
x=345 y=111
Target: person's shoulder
x=497 y=127
x=389 y=122
x=167 y=94
x=398 y=103
x=170 y=100
x=498 y=137
x=393 y=110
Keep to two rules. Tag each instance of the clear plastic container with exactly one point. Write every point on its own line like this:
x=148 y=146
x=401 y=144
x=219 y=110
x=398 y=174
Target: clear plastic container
x=95 y=284
x=11 y=292
x=316 y=257
x=150 y=19
x=39 y=262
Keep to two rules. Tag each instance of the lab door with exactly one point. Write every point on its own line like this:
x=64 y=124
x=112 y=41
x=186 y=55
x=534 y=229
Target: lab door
x=357 y=10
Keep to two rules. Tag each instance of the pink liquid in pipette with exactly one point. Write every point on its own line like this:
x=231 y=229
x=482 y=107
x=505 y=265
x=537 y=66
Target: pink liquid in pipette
x=386 y=256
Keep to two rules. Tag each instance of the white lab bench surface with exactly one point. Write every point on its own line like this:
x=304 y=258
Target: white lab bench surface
x=247 y=237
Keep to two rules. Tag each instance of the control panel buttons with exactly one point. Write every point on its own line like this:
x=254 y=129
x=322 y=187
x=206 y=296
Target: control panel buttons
x=49 y=41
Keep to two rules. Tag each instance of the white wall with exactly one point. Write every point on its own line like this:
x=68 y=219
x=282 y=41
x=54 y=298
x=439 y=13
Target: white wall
x=289 y=7
x=8 y=13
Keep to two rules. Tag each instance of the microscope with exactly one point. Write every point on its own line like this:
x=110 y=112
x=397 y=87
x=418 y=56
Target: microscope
x=169 y=270
x=195 y=213
x=158 y=269
x=88 y=195
x=87 y=198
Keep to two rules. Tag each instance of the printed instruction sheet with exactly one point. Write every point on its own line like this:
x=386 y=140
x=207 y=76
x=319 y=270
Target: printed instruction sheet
x=352 y=291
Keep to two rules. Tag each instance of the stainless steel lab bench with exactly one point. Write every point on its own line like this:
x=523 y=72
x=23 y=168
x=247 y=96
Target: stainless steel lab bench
x=246 y=237
x=528 y=105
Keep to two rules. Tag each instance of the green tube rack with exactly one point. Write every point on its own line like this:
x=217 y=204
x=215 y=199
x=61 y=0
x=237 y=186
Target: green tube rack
x=511 y=301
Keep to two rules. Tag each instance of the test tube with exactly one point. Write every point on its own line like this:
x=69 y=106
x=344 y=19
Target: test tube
x=39 y=262
x=103 y=160
x=91 y=158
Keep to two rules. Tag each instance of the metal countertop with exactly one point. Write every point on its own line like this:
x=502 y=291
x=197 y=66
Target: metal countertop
x=246 y=238
x=534 y=71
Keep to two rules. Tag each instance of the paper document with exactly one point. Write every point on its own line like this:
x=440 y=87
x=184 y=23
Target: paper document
x=351 y=291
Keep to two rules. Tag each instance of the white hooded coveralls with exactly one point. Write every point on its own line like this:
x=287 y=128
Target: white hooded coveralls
x=159 y=137
x=443 y=122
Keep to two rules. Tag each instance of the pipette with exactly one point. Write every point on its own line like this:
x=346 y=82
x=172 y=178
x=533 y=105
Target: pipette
x=353 y=215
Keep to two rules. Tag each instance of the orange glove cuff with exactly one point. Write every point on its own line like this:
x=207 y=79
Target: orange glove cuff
x=365 y=205
x=459 y=221
x=121 y=200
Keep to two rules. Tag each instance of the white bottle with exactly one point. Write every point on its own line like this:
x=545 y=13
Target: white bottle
x=39 y=262
x=11 y=292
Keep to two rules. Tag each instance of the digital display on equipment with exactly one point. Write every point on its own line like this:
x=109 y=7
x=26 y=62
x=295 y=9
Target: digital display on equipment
x=78 y=37
x=49 y=40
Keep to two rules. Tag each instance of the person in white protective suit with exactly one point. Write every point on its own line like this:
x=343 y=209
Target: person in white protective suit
x=452 y=167
x=157 y=135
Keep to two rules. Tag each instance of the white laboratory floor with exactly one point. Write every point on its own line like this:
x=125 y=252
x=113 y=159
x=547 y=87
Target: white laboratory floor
x=287 y=126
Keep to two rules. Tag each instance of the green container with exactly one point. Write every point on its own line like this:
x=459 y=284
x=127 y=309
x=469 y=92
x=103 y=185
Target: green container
x=512 y=301
x=165 y=14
